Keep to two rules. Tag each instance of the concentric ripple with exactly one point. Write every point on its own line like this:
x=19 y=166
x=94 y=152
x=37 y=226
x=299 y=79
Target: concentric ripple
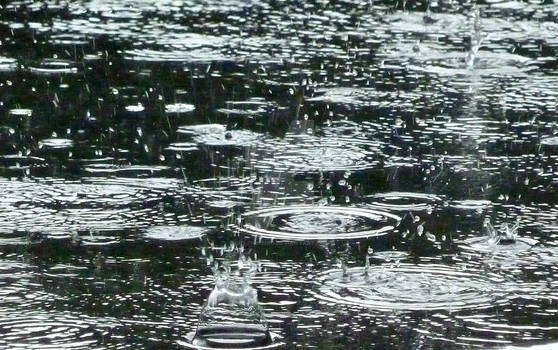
x=42 y=331
x=55 y=143
x=174 y=233
x=314 y=222
x=485 y=245
x=98 y=204
x=232 y=339
x=217 y=135
x=405 y=201
x=485 y=64
x=319 y=155
x=54 y=66
x=179 y=108
x=7 y=64
x=412 y=287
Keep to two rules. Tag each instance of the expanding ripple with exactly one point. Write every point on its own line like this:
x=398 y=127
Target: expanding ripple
x=179 y=108
x=54 y=66
x=174 y=233
x=216 y=135
x=55 y=144
x=93 y=204
x=413 y=287
x=317 y=223
x=484 y=244
x=7 y=64
x=405 y=201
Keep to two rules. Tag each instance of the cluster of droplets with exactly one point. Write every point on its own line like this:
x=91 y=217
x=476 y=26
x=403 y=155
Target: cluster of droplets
x=419 y=230
x=233 y=283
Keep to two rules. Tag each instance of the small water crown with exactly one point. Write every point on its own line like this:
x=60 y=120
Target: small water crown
x=505 y=235
x=232 y=318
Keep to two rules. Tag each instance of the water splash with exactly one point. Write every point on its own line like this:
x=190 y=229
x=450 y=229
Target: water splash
x=504 y=240
x=232 y=316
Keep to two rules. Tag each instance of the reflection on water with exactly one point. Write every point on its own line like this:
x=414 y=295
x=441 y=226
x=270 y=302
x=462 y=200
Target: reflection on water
x=142 y=142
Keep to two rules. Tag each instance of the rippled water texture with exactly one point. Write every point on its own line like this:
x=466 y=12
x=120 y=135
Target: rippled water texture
x=355 y=151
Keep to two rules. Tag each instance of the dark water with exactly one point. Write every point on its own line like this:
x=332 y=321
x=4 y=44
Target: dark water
x=142 y=141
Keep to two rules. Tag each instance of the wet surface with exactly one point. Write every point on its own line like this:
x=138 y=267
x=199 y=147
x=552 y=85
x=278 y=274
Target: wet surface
x=354 y=149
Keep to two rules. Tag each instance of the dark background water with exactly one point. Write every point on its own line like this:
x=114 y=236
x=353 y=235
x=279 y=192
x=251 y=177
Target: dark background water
x=113 y=200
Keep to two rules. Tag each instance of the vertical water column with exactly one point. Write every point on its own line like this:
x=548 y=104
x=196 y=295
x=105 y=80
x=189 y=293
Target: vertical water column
x=477 y=38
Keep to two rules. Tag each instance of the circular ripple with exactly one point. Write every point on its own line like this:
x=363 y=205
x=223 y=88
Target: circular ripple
x=98 y=204
x=179 y=108
x=7 y=64
x=174 y=233
x=485 y=64
x=340 y=147
x=412 y=287
x=471 y=205
x=483 y=244
x=231 y=340
x=41 y=330
x=54 y=66
x=312 y=222
x=55 y=143
x=217 y=135
x=405 y=201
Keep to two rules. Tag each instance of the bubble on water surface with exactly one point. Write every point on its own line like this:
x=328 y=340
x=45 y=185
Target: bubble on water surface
x=413 y=288
x=318 y=223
